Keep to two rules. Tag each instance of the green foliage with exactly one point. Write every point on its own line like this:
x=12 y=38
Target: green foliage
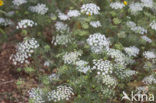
x=19 y=82
x=55 y=62
x=29 y=70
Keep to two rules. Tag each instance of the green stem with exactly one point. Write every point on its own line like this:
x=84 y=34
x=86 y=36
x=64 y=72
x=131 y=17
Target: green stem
x=74 y=3
x=1 y=11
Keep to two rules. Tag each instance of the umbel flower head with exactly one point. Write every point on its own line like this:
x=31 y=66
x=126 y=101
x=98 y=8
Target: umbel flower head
x=61 y=39
x=117 y=5
x=82 y=66
x=147 y=39
x=125 y=73
x=61 y=27
x=147 y=3
x=25 y=23
x=149 y=80
x=149 y=55
x=135 y=28
x=63 y=16
x=54 y=77
x=73 y=13
x=132 y=51
x=153 y=25
x=19 y=2
x=72 y=57
x=36 y=94
x=98 y=42
x=90 y=9
x=24 y=51
x=135 y=7
x=102 y=67
x=95 y=24
x=39 y=8
x=118 y=56
x=129 y=73
x=109 y=81
x=61 y=93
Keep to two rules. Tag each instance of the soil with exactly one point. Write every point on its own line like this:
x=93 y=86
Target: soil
x=9 y=93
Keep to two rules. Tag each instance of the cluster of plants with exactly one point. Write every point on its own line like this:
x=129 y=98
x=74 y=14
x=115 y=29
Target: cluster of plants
x=83 y=51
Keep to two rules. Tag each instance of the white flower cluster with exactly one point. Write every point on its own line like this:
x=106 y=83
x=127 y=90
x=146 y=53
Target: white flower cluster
x=149 y=80
x=136 y=29
x=25 y=24
x=124 y=73
x=147 y=39
x=63 y=16
x=72 y=57
x=150 y=65
x=135 y=7
x=129 y=73
x=39 y=8
x=73 y=13
x=139 y=29
x=61 y=27
x=131 y=24
x=102 y=67
x=147 y=3
x=90 y=9
x=109 y=81
x=95 y=24
x=132 y=51
x=98 y=42
x=82 y=66
x=61 y=39
x=53 y=77
x=107 y=92
x=61 y=93
x=117 y=5
x=24 y=51
x=36 y=94
x=153 y=25
x=5 y=22
x=118 y=56
x=19 y=2
x=119 y=66
x=149 y=55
